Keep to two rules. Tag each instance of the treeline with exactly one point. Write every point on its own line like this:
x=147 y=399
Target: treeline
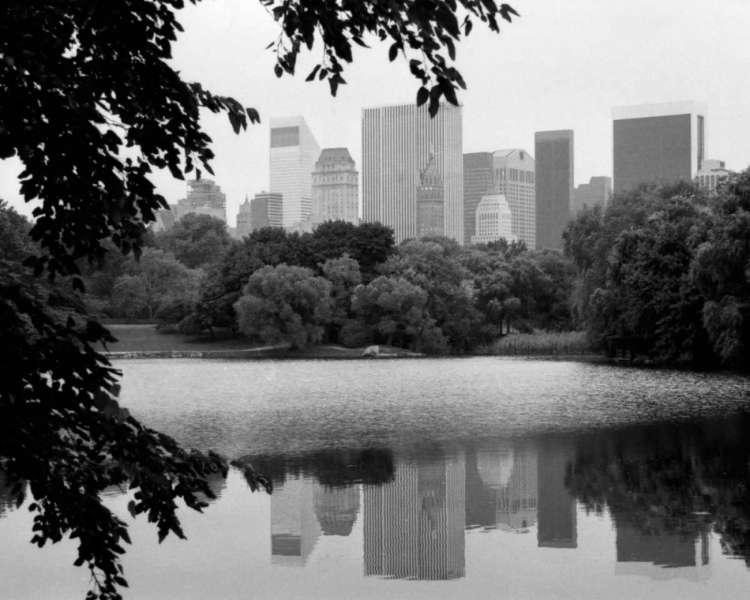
x=343 y=283
x=666 y=271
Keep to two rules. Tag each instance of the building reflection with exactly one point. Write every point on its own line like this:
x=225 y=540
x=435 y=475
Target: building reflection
x=557 y=506
x=662 y=555
x=414 y=526
x=294 y=525
x=336 y=508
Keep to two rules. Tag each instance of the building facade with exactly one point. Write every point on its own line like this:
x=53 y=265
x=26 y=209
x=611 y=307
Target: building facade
x=711 y=173
x=293 y=154
x=396 y=143
x=594 y=193
x=658 y=143
x=554 y=186
x=430 y=202
x=264 y=210
x=515 y=178
x=335 y=187
x=204 y=197
x=493 y=220
x=479 y=179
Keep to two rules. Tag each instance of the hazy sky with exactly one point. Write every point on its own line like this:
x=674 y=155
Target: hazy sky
x=561 y=65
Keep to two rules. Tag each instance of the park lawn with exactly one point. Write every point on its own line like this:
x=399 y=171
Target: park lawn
x=145 y=338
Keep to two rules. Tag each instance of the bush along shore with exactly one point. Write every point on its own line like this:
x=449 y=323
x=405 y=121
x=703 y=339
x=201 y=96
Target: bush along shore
x=568 y=343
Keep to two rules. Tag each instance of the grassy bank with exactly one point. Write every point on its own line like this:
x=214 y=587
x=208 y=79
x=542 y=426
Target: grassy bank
x=570 y=343
x=145 y=338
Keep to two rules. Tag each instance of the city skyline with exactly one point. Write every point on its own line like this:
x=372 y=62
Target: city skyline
x=676 y=60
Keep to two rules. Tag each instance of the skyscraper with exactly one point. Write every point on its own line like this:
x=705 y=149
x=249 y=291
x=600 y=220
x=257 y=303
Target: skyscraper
x=204 y=197
x=596 y=192
x=493 y=220
x=335 y=187
x=396 y=144
x=479 y=179
x=554 y=186
x=711 y=173
x=293 y=155
x=515 y=179
x=430 y=202
x=657 y=143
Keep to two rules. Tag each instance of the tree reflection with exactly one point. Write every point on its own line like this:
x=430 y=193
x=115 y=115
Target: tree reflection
x=12 y=493
x=665 y=486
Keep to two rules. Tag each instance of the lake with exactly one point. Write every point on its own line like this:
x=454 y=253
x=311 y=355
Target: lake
x=434 y=478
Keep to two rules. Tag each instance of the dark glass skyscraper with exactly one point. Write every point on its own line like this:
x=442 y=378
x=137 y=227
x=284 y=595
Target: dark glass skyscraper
x=554 y=185
x=657 y=143
x=478 y=181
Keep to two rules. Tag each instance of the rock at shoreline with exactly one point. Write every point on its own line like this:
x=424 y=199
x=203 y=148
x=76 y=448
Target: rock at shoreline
x=371 y=351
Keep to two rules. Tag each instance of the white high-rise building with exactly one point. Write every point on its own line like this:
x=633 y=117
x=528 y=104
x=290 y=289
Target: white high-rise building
x=293 y=154
x=493 y=220
x=396 y=144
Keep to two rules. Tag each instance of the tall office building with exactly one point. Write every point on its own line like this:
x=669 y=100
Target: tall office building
x=479 y=179
x=554 y=186
x=335 y=187
x=658 y=143
x=396 y=144
x=264 y=210
x=293 y=155
x=594 y=193
x=430 y=202
x=204 y=197
x=515 y=179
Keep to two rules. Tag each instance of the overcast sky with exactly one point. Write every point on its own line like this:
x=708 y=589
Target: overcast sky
x=561 y=65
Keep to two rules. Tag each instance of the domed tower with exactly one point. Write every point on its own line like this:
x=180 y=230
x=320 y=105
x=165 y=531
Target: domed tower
x=430 y=201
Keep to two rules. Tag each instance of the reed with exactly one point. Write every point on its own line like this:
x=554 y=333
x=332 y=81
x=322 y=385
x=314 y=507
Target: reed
x=542 y=343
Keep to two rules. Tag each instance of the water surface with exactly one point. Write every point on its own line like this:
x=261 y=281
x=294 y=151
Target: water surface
x=479 y=477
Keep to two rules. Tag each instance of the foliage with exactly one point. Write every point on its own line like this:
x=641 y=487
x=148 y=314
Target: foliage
x=90 y=110
x=568 y=343
x=343 y=274
x=666 y=267
x=392 y=307
x=197 y=241
x=285 y=305
x=154 y=280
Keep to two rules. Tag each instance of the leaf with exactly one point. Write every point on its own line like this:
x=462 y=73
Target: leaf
x=393 y=52
x=278 y=70
x=334 y=83
x=422 y=95
x=313 y=73
x=131 y=508
x=253 y=115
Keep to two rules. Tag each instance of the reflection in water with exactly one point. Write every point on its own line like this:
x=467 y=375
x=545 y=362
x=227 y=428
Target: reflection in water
x=557 y=508
x=414 y=526
x=336 y=508
x=294 y=526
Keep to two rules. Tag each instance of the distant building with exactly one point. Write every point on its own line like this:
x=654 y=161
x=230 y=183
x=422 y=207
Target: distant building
x=335 y=187
x=294 y=526
x=293 y=154
x=479 y=179
x=165 y=219
x=430 y=202
x=204 y=197
x=658 y=143
x=396 y=144
x=515 y=178
x=594 y=193
x=554 y=186
x=711 y=173
x=493 y=220
x=264 y=210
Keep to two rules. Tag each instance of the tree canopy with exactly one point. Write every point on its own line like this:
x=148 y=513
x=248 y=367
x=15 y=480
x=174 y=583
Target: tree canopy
x=91 y=105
